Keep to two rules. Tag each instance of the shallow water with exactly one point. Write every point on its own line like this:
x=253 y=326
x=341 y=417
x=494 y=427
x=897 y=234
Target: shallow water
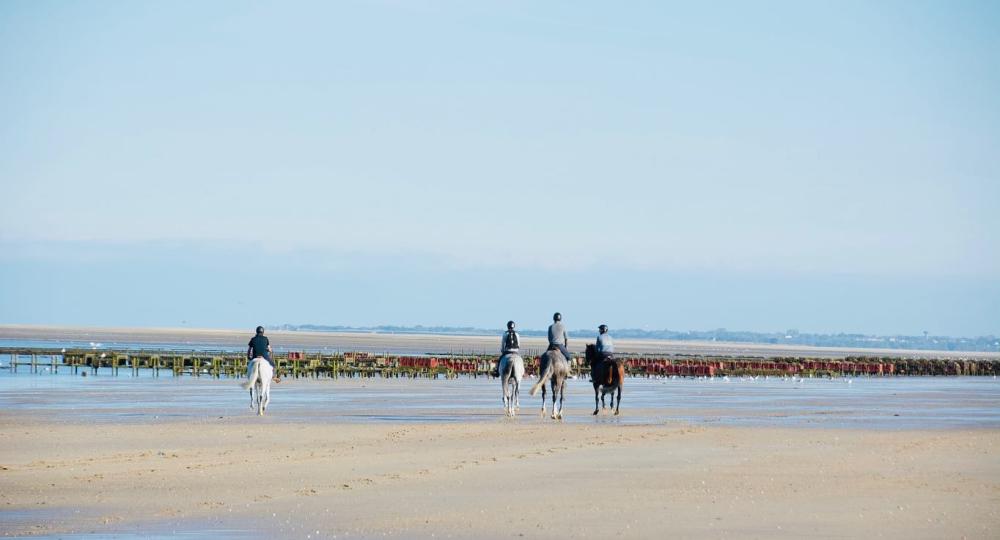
x=871 y=403
x=240 y=346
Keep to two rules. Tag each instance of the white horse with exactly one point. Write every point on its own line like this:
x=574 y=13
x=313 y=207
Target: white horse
x=259 y=373
x=511 y=371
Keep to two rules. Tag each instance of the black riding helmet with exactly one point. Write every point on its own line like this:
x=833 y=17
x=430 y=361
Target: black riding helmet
x=557 y=317
x=510 y=325
x=260 y=329
x=603 y=328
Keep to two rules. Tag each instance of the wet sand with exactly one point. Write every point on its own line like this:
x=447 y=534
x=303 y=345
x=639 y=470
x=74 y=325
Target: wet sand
x=432 y=344
x=174 y=469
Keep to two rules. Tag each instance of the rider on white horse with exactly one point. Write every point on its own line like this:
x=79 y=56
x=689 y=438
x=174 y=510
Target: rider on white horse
x=260 y=370
x=258 y=347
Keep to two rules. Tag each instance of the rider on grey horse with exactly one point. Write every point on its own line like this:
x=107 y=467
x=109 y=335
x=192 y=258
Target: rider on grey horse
x=558 y=337
x=510 y=369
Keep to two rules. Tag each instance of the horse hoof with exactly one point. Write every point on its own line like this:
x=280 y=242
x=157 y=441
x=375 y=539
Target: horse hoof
x=616 y=413
x=595 y=412
x=554 y=417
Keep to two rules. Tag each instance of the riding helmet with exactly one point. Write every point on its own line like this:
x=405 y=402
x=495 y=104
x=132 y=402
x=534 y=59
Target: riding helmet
x=510 y=325
x=603 y=328
x=557 y=316
x=260 y=329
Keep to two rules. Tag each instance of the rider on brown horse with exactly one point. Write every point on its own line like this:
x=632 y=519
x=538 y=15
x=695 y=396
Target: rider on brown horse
x=607 y=374
x=606 y=348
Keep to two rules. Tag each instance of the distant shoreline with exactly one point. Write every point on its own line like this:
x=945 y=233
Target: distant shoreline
x=794 y=338
x=438 y=343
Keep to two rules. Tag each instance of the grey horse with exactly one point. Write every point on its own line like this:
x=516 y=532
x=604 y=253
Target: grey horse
x=511 y=369
x=552 y=365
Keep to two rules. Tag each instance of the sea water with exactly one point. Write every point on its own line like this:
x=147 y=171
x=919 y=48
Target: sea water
x=859 y=402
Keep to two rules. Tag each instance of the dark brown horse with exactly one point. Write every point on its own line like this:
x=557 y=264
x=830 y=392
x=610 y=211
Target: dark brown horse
x=606 y=378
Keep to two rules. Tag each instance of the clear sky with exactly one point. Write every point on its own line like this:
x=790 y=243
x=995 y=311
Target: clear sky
x=824 y=166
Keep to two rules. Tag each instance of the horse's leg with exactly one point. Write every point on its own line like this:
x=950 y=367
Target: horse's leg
x=266 y=396
x=543 y=400
x=260 y=399
x=562 y=387
x=621 y=384
x=619 y=404
x=516 y=405
x=596 y=408
x=251 y=374
x=503 y=389
x=517 y=390
x=508 y=396
x=562 y=396
x=555 y=394
x=508 y=393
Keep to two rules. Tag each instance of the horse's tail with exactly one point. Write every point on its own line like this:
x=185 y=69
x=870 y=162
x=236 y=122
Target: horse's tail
x=254 y=375
x=543 y=378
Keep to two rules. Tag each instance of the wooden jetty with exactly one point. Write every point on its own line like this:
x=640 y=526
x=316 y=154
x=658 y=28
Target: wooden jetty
x=364 y=364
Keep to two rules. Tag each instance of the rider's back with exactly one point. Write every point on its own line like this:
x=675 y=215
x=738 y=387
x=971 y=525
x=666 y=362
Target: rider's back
x=259 y=345
x=604 y=344
x=557 y=333
x=511 y=342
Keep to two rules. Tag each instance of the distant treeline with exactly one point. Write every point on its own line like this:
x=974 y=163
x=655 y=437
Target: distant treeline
x=790 y=337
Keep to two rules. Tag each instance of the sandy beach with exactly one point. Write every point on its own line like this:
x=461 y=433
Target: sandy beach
x=499 y=480
x=168 y=470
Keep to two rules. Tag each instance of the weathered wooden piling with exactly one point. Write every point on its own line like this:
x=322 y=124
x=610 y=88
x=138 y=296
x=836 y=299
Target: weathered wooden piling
x=362 y=364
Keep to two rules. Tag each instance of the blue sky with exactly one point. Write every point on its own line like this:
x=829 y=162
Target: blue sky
x=821 y=166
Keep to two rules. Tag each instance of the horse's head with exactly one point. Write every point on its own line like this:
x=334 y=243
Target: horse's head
x=591 y=353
